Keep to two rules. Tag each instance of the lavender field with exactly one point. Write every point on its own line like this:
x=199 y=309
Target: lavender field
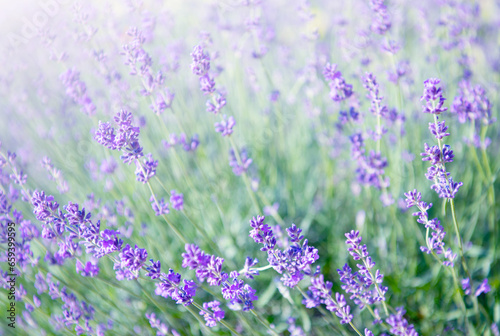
x=250 y=167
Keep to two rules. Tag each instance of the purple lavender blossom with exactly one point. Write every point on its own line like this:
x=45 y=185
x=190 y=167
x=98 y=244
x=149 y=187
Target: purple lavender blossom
x=160 y=208
x=439 y=155
x=162 y=328
x=359 y=283
x=433 y=97
x=435 y=242
x=88 y=270
x=77 y=90
x=225 y=126
x=217 y=102
x=177 y=200
x=213 y=317
x=131 y=260
x=339 y=89
x=381 y=23
x=55 y=175
x=292 y=262
x=170 y=286
x=370 y=83
x=144 y=172
x=125 y=138
x=399 y=325
x=239 y=169
x=471 y=103
x=247 y=270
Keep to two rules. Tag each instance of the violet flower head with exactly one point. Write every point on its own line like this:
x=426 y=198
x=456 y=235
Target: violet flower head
x=471 y=103
x=399 y=325
x=144 y=172
x=225 y=126
x=156 y=323
x=216 y=103
x=177 y=200
x=339 y=89
x=215 y=315
x=247 y=270
x=359 y=283
x=201 y=61
x=160 y=208
x=434 y=243
x=433 y=96
x=294 y=261
x=88 y=270
x=77 y=90
x=170 y=286
x=124 y=138
x=381 y=22
x=239 y=168
x=370 y=83
x=131 y=260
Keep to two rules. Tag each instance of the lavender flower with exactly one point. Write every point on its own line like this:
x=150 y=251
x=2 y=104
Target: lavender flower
x=436 y=241
x=125 y=138
x=294 y=261
x=433 y=97
x=209 y=267
x=359 y=283
x=339 y=89
x=177 y=200
x=55 y=175
x=131 y=260
x=471 y=103
x=77 y=90
x=144 y=172
x=370 y=83
x=399 y=325
x=381 y=23
x=217 y=102
x=213 y=317
x=439 y=155
x=160 y=208
x=239 y=169
x=88 y=270
x=162 y=328
x=225 y=127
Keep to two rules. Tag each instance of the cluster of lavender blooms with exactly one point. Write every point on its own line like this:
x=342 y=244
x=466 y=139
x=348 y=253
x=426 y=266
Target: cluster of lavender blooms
x=371 y=166
x=201 y=68
x=140 y=63
x=360 y=283
x=161 y=328
x=82 y=230
x=55 y=175
x=339 y=89
x=209 y=267
x=381 y=22
x=161 y=207
x=77 y=90
x=438 y=155
x=436 y=241
x=188 y=145
x=294 y=260
x=483 y=287
x=126 y=139
x=130 y=261
x=472 y=105
x=74 y=312
x=17 y=239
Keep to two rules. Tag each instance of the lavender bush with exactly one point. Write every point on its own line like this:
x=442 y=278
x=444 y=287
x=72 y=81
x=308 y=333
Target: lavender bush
x=248 y=167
